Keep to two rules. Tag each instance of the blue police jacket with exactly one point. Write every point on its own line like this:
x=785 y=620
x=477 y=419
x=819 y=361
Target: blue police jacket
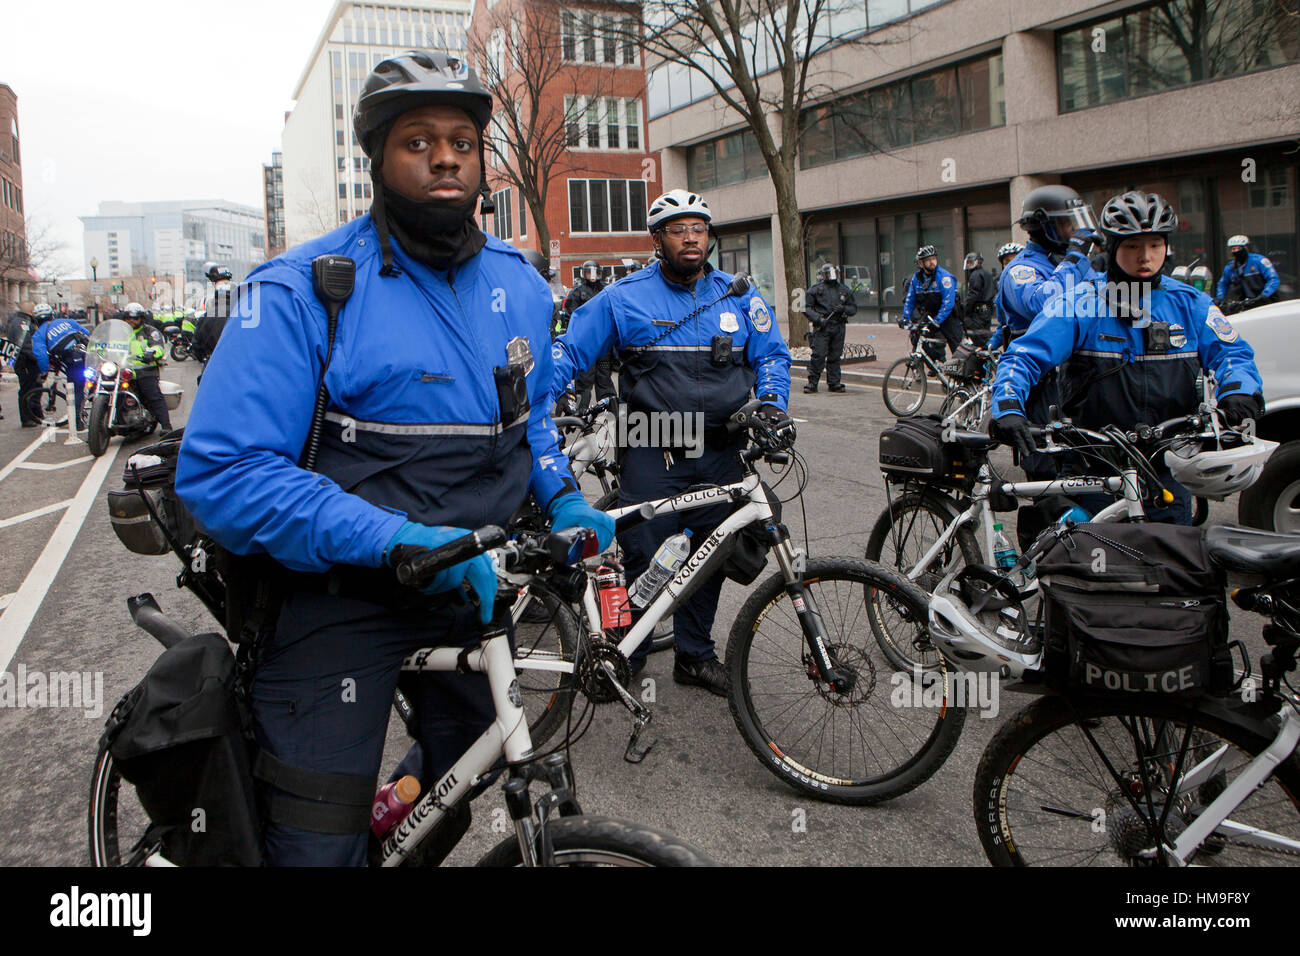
x=1109 y=371
x=51 y=337
x=937 y=294
x=1026 y=285
x=415 y=425
x=1257 y=277
x=676 y=374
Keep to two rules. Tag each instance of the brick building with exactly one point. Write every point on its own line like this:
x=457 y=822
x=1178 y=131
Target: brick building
x=588 y=129
x=17 y=282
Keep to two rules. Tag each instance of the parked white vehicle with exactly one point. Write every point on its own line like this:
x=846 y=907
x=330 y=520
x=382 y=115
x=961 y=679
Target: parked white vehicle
x=1273 y=502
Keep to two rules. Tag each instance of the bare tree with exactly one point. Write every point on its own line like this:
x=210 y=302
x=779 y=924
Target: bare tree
x=39 y=250
x=763 y=58
x=318 y=208
x=519 y=52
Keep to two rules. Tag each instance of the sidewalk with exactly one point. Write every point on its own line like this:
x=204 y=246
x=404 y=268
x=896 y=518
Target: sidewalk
x=890 y=342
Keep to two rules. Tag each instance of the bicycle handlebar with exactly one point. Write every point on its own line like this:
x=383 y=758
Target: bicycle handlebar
x=415 y=565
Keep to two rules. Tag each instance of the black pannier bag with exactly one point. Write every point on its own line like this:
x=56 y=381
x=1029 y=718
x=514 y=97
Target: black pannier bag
x=152 y=471
x=914 y=448
x=1134 y=608
x=748 y=548
x=179 y=736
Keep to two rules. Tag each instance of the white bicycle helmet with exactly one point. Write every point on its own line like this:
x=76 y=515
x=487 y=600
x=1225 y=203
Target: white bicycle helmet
x=1239 y=240
x=1219 y=471
x=43 y=311
x=673 y=205
x=1010 y=249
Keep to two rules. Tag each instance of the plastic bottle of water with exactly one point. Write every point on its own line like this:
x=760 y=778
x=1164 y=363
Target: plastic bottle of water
x=666 y=562
x=392 y=803
x=1004 y=555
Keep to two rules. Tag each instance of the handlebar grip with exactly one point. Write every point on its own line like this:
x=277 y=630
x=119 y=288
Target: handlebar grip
x=415 y=565
x=634 y=518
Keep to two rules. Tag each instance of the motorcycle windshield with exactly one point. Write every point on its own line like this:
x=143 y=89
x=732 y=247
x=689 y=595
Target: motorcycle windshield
x=110 y=342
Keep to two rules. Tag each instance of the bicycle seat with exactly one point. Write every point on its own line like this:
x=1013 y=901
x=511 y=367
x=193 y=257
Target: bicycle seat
x=1253 y=551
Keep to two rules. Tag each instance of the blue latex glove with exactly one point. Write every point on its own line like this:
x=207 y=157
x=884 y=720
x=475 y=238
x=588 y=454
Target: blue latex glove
x=480 y=571
x=572 y=511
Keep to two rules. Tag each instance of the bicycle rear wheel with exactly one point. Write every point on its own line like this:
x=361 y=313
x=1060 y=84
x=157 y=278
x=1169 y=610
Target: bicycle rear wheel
x=604 y=841
x=885 y=736
x=905 y=386
x=117 y=823
x=1044 y=795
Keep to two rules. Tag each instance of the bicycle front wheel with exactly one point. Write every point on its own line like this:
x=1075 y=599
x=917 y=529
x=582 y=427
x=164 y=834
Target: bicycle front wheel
x=1045 y=795
x=904 y=386
x=546 y=631
x=604 y=841
x=884 y=736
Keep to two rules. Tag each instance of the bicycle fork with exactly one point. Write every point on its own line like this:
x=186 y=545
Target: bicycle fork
x=793 y=564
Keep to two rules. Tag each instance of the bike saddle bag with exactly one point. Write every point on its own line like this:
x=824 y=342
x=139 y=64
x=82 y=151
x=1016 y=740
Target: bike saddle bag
x=748 y=554
x=914 y=448
x=180 y=738
x=151 y=472
x=1134 y=609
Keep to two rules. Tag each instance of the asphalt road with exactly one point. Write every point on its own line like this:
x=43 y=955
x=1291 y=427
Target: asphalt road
x=700 y=781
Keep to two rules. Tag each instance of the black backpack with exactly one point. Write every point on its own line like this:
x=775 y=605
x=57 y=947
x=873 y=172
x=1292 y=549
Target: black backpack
x=1134 y=609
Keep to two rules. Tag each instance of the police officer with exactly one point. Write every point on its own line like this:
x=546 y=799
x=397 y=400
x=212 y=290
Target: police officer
x=1061 y=232
x=437 y=423
x=1132 y=342
x=828 y=305
x=1006 y=252
x=933 y=291
x=63 y=341
x=1248 y=278
x=977 y=302
x=601 y=373
x=688 y=348
x=147 y=349
x=19 y=331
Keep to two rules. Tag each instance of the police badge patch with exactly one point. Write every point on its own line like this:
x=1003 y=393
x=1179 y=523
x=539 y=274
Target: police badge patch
x=759 y=317
x=1022 y=273
x=518 y=353
x=1220 y=325
x=727 y=322
x=1177 y=338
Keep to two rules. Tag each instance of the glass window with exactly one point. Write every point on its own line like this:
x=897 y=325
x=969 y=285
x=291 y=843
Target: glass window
x=882 y=11
x=598 y=204
x=730 y=160
x=343 y=190
x=338 y=137
x=632 y=114
x=1159 y=55
x=679 y=85
x=588 y=38
x=523 y=217
x=656 y=91
x=845 y=18
x=629 y=31
x=577 y=205
x=818 y=143
x=1090 y=62
x=858 y=263
x=571 y=121
x=1265 y=211
x=591 y=122
x=978 y=93
x=940 y=229
x=636 y=204
x=568 y=36
x=850 y=123
x=890 y=114
x=617 y=205
x=754 y=165
x=613 y=109
x=987 y=228
x=934 y=105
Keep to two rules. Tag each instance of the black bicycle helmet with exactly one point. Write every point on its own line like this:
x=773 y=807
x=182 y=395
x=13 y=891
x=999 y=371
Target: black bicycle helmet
x=926 y=252
x=1137 y=214
x=416 y=78
x=539 y=262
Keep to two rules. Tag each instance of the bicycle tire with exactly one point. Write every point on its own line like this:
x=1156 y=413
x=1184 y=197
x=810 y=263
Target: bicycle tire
x=547 y=695
x=1014 y=765
x=971 y=417
x=663 y=636
x=112 y=810
x=933 y=511
x=604 y=841
x=915 y=741
x=912 y=380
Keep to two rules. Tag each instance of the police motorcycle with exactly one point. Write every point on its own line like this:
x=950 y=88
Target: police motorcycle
x=180 y=336
x=114 y=404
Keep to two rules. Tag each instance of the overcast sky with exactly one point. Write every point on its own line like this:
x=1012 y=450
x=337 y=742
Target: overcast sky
x=141 y=100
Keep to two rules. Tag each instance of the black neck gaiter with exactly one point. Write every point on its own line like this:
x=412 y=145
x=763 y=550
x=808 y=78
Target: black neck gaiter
x=439 y=234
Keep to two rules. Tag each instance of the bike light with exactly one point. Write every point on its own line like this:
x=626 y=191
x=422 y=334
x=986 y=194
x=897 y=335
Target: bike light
x=89 y=374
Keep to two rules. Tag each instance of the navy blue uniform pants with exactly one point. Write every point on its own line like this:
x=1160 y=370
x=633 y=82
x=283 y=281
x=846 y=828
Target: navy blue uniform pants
x=323 y=692
x=645 y=479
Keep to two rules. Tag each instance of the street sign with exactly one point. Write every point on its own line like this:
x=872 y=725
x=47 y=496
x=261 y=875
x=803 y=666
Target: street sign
x=97 y=288
x=114 y=296
x=117 y=287
x=555 y=247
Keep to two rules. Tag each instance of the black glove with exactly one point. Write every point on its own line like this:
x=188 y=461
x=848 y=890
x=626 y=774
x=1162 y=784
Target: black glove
x=1081 y=243
x=1237 y=408
x=1252 y=302
x=779 y=424
x=1013 y=430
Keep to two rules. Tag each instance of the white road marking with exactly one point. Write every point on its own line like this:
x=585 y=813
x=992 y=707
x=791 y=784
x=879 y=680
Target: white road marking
x=54 y=466
x=27 y=599
x=48 y=509
x=7 y=470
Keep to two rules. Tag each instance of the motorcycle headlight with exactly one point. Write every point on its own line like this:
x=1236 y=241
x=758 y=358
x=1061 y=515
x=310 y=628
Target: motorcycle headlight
x=108 y=369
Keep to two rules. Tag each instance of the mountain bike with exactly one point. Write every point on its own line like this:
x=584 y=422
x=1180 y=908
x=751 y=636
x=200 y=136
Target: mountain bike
x=550 y=832
x=809 y=683
x=907 y=380
x=1144 y=779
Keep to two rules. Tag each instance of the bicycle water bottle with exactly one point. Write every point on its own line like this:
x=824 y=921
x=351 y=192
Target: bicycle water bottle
x=610 y=585
x=392 y=803
x=667 y=560
x=1075 y=514
x=1004 y=555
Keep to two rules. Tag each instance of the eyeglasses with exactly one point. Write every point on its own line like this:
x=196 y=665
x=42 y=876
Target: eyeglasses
x=681 y=229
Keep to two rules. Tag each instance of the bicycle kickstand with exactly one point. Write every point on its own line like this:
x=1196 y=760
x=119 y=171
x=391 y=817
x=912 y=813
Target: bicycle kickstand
x=641 y=718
